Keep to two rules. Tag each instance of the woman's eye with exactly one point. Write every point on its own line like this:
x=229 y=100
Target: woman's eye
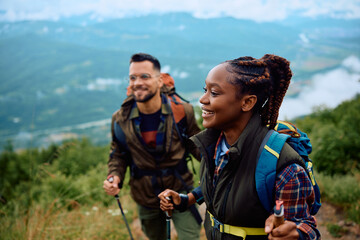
x=213 y=93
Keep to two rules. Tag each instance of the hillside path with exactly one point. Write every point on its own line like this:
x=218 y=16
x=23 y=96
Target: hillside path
x=328 y=214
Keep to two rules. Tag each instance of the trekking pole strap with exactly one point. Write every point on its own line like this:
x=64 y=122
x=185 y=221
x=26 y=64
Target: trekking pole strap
x=235 y=230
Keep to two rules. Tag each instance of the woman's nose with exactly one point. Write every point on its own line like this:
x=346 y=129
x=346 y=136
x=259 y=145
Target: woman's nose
x=204 y=99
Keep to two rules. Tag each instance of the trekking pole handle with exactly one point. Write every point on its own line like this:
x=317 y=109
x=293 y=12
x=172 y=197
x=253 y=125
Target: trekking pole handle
x=168 y=213
x=111 y=180
x=168 y=218
x=279 y=213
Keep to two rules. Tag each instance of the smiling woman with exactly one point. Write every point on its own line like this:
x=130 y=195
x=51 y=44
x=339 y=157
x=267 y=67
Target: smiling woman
x=240 y=107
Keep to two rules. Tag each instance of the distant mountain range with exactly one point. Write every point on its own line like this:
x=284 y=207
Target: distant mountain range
x=73 y=71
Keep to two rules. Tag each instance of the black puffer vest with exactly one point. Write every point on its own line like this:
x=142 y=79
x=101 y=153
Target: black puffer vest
x=234 y=200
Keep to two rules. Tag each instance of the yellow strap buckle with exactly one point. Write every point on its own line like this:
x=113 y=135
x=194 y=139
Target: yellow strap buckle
x=235 y=230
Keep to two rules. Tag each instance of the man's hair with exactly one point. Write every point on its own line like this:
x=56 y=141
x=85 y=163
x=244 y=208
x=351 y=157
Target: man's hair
x=140 y=57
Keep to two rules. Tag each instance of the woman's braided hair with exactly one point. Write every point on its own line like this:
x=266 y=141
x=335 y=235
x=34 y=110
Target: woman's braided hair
x=268 y=78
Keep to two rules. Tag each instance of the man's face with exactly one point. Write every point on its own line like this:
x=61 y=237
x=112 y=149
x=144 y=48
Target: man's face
x=144 y=80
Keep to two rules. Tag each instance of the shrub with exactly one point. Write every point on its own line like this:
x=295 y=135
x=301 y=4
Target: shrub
x=76 y=157
x=335 y=230
x=343 y=191
x=335 y=136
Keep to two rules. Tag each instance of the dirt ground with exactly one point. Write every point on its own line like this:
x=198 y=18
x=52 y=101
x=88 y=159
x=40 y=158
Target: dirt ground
x=327 y=214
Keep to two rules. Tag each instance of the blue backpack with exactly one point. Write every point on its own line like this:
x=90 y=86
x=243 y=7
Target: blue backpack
x=268 y=156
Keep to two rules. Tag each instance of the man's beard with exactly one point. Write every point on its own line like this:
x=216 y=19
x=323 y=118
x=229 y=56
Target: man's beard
x=147 y=97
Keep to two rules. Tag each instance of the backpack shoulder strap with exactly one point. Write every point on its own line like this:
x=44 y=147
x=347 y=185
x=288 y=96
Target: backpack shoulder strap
x=177 y=107
x=179 y=115
x=120 y=137
x=267 y=159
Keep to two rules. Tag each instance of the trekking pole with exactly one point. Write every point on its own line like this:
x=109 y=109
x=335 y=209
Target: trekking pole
x=111 y=179
x=168 y=224
x=278 y=213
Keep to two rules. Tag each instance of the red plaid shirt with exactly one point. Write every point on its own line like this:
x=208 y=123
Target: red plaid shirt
x=220 y=156
x=294 y=187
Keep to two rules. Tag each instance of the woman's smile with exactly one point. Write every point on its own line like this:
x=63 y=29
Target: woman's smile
x=206 y=113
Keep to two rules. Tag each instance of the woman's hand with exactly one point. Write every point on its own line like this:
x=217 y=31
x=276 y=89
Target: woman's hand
x=286 y=231
x=165 y=203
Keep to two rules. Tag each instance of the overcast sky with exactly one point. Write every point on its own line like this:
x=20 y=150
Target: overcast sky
x=258 y=10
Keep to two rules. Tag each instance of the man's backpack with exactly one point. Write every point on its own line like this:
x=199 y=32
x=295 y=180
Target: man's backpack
x=268 y=156
x=175 y=100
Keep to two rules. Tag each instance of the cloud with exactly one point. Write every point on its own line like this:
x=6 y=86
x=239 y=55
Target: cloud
x=102 y=84
x=174 y=73
x=258 y=10
x=303 y=38
x=180 y=74
x=329 y=89
x=352 y=63
x=165 y=69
